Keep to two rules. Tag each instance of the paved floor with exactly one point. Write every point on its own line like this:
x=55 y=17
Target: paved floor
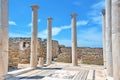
x=63 y=71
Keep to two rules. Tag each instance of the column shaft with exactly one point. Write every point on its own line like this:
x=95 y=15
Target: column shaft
x=109 y=63
x=116 y=38
x=104 y=36
x=49 y=42
x=34 y=39
x=3 y=38
x=74 y=41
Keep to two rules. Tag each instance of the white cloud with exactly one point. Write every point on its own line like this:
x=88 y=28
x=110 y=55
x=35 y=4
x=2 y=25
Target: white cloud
x=100 y=4
x=39 y=20
x=65 y=42
x=92 y=34
x=80 y=23
x=12 y=23
x=97 y=19
x=30 y=24
x=87 y=38
x=43 y=34
x=22 y=34
x=95 y=13
x=57 y=30
x=91 y=37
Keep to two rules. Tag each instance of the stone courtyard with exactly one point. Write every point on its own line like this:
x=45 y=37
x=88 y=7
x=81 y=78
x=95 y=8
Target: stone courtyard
x=61 y=71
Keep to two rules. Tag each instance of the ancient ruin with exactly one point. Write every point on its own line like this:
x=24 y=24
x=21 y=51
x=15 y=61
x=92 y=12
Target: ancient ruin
x=43 y=57
x=19 y=52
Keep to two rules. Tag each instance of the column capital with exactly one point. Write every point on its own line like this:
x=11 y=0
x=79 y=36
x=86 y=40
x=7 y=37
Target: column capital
x=34 y=6
x=103 y=12
x=50 y=18
x=73 y=15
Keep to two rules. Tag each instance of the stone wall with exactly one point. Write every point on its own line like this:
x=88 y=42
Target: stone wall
x=91 y=56
x=65 y=55
x=13 y=52
x=19 y=52
x=85 y=55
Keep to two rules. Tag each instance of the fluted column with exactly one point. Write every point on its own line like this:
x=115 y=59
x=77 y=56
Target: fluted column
x=74 y=40
x=3 y=38
x=116 y=38
x=49 y=42
x=104 y=36
x=34 y=39
x=109 y=63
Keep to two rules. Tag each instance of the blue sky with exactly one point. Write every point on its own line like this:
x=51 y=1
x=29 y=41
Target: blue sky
x=89 y=27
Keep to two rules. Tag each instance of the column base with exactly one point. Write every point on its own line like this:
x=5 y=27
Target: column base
x=41 y=62
x=74 y=64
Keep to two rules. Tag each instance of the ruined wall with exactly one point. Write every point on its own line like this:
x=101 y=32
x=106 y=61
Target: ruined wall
x=55 y=48
x=85 y=55
x=13 y=52
x=19 y=52
x=65 y=55
x=92 y=56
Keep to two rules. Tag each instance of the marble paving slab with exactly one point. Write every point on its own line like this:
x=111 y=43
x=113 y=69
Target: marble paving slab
x=61 y=75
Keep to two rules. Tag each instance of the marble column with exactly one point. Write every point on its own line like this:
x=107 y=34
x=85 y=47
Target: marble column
x=104 y=36
x=109 y=63
x=34 y=39
x=49 y=42
x=116 y=38
x=74 y=40
x=3 y=38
